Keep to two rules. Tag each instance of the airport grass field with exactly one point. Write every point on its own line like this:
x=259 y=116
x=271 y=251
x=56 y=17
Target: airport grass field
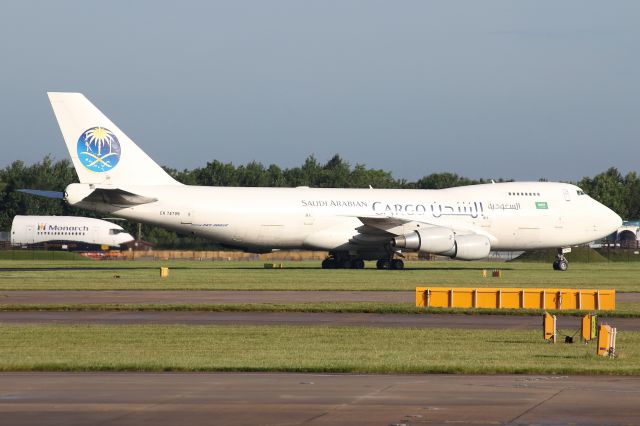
x=244 y=275
x=302 y=348
x=623 y=310
x=84 y=347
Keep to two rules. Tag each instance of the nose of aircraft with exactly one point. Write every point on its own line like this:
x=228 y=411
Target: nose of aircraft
x=125 y=238
x=611 y=220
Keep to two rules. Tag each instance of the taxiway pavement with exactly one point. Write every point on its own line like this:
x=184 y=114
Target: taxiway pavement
x=214 y=296
x=314 y=399
x=198 y=296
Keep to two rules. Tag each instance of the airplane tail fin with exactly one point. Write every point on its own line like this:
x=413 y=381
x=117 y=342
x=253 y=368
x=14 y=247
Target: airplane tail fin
x=100 y=151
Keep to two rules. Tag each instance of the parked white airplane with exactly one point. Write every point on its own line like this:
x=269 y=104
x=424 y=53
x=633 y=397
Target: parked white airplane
x=353 y=225
x=27 y=230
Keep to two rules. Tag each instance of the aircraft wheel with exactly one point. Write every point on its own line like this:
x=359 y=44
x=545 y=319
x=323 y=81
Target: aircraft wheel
x=357 y=264
x=563 y=265
x=383 y=264
x=345 y=264
x=397 y=264
x=328 y=264
x=555 y=265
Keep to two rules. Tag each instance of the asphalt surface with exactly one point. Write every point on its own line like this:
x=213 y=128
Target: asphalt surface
x=285 y=399
x=199 y=296
x=215 y=297
x=291 y=399
x=298 y=318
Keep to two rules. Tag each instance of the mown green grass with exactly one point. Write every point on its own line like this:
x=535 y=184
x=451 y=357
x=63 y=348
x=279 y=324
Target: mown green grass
x=40 y=255
x=578 y=255
x=624 y=310
x=302 y=348
x=222 y=275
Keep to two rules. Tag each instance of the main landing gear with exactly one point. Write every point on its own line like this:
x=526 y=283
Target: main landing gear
x=342 y=263
x=345 y=261
x=561 y=263
x=396 y=264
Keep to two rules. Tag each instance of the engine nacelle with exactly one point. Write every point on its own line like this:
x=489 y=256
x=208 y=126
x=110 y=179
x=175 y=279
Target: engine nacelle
x=430 y=240
x=469 y=247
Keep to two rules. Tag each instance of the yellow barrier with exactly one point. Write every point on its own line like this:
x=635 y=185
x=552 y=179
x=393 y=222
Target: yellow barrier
x=549 y=327
x=164 y=272
x=606 y=341
x=515 y=298
x=589 y=327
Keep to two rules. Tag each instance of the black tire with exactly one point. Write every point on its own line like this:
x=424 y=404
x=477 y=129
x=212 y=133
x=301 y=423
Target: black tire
x=563 y=265
x=345 y=264
x=357 y=264
x=397 y=264
x=385 y=264
x=555 y=265
x=329 y=264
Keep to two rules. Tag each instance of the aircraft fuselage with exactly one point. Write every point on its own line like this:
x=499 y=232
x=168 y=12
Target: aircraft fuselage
x=513 y=215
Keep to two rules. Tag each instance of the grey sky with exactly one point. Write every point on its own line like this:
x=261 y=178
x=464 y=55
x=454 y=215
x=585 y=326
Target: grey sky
x=521 y=89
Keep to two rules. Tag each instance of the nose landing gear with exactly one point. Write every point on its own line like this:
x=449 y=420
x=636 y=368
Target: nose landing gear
x=561 y=263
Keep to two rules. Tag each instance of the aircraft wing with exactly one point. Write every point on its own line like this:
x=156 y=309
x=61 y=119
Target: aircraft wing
x=391 y=226
x=375 y=230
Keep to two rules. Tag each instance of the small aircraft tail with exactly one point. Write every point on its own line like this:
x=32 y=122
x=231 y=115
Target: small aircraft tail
x=100 y=151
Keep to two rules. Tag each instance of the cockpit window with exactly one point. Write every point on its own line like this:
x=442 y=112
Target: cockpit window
x=580 y=192
x=115 y=231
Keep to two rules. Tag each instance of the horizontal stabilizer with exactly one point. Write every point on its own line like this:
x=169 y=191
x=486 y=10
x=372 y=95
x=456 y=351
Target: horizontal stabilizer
x=117 y=197
x=42 y=193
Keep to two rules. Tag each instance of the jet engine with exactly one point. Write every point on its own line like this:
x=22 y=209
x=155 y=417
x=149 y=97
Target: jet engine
x=429 y=240
x=469 y=247
x=443 y=241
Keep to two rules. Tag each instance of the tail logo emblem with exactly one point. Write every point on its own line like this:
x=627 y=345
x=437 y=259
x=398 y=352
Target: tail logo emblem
x=98 y=149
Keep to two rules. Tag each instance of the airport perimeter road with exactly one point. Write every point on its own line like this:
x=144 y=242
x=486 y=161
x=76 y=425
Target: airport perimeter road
x=297 y=318
x=200 y=296
x=291 y=399
x=215 y=296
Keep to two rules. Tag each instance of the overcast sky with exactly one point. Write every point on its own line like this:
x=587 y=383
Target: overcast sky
x=513 y=89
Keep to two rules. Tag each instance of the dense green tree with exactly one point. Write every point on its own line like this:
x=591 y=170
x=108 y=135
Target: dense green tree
x=43 y=175
x=361 y=177
x=443 y=180
x=216 y=173
x=632 y=185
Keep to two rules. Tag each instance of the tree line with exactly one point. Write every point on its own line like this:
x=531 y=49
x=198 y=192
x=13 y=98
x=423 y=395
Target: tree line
x=611 y=188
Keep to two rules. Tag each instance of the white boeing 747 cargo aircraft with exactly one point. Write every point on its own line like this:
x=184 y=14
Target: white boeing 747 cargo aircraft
x=117 y=178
